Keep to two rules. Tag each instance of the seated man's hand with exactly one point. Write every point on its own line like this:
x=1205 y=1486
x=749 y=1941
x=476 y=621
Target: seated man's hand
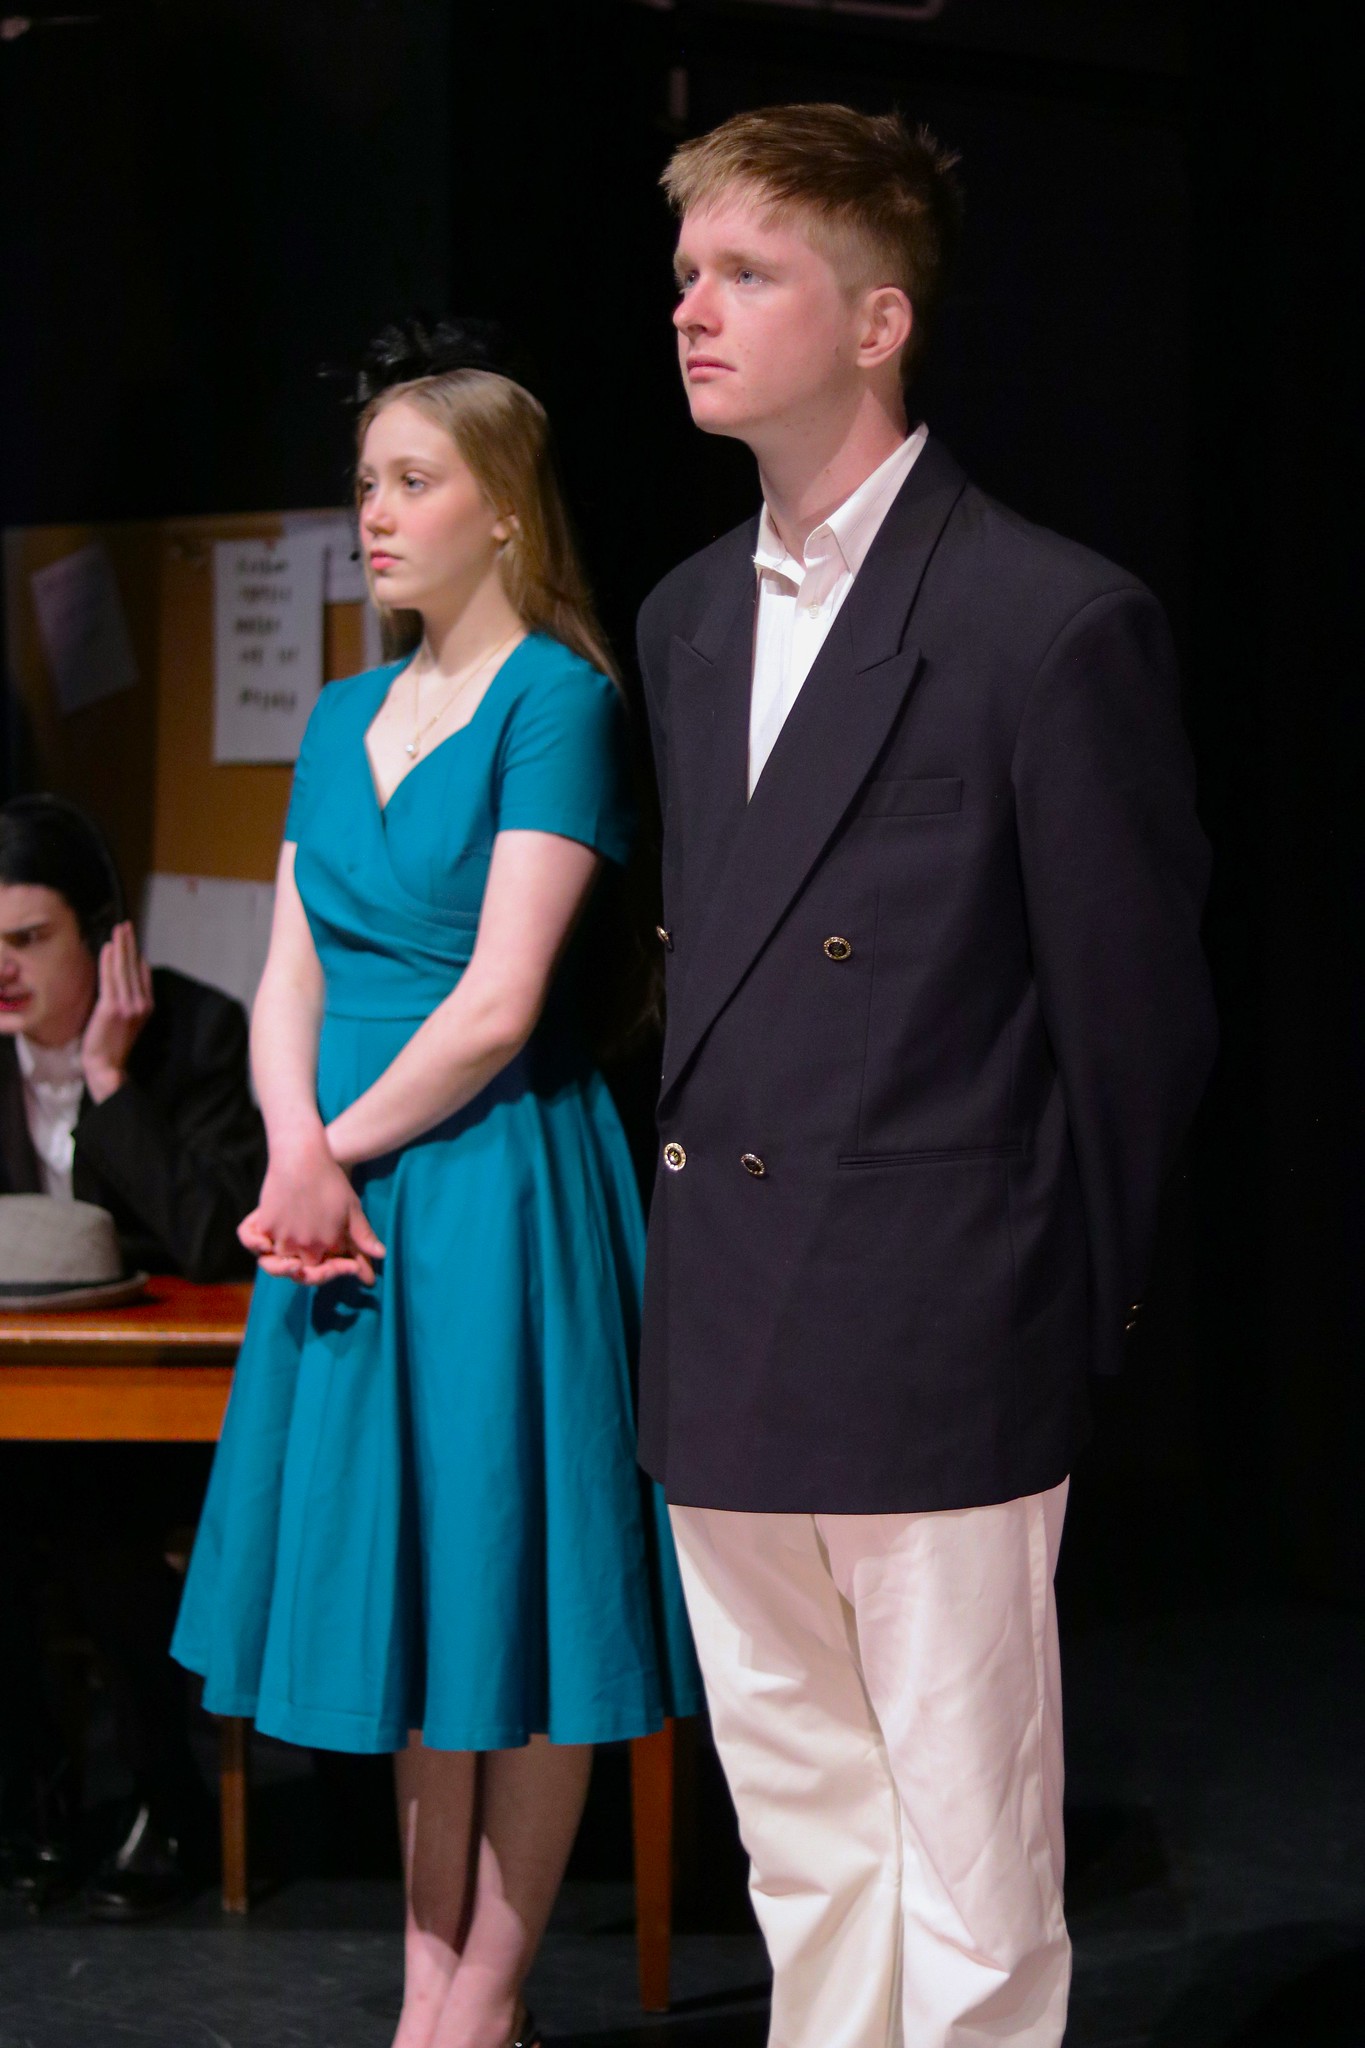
x=122 y=1006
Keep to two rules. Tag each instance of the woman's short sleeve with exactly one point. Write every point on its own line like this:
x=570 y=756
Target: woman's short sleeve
x=298 y=792
x=564 y=765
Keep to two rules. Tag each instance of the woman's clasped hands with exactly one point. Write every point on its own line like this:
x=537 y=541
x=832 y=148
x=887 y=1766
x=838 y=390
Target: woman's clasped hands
x=309 y=1225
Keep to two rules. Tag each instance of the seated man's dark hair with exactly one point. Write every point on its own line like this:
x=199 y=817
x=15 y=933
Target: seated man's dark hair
x=52 y=844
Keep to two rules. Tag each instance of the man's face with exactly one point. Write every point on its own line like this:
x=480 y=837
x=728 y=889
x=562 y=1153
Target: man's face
x=768 y=332
x=48 y=978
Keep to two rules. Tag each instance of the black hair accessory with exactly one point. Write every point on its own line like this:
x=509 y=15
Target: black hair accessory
x=422 y=347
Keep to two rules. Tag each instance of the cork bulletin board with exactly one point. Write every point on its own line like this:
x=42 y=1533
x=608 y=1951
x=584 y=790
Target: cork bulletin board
x=141 y=761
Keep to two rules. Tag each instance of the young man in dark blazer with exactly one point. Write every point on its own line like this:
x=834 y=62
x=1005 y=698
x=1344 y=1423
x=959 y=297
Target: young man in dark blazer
x=125 y=1086
x=937 y=1021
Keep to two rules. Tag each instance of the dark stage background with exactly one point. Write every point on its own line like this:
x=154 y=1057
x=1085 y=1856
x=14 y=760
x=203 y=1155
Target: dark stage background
x=1150 y=346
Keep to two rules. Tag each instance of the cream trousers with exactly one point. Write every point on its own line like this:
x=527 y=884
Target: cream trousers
x=885 y=1694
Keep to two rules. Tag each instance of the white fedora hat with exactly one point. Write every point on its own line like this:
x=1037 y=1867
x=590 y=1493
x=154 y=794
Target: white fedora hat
x=57 y=1254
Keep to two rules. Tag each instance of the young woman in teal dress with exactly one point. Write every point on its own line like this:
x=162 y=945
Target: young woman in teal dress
x=426 y=1531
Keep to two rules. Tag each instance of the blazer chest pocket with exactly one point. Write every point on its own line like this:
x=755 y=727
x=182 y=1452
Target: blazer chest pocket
x=909 y=796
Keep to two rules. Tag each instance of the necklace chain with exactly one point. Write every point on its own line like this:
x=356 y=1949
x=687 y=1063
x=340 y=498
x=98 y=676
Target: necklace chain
x=419 y=730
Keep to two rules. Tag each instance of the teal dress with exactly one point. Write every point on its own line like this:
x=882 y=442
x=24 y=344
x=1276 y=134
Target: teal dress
x=425 y=1511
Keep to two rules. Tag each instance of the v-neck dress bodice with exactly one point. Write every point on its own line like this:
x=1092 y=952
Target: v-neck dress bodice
x=425 y=1511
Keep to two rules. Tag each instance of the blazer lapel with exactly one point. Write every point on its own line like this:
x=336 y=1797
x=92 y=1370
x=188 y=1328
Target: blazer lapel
x=708 y=729
x=755 y=863
x=18 y=1161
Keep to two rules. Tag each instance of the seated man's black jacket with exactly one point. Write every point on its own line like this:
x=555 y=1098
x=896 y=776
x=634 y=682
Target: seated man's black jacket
x=177 y=1155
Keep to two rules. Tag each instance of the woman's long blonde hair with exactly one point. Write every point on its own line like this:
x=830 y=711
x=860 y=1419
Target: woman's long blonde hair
x=503 y=435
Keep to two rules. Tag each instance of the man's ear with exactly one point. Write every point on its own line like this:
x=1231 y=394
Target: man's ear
x=887 y=324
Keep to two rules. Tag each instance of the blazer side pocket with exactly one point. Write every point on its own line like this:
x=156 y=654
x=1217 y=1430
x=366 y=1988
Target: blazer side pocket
x=951 y=1156
x=909 y=796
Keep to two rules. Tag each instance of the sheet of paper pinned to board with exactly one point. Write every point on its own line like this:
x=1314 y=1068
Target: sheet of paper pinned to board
x=343 y=579
x=216 y=930
x=82 y=627
x=343 y=568
x=267 y=644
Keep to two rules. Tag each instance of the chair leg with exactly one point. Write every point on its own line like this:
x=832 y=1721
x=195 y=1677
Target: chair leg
x=232 y=1748
x=651 y=1779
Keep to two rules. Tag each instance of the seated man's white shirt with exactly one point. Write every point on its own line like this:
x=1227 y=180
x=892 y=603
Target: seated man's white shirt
x=54 y=1082
x=799 y=599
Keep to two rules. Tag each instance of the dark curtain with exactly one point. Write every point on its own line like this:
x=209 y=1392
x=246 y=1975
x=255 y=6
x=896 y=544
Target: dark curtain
x=1153 y=345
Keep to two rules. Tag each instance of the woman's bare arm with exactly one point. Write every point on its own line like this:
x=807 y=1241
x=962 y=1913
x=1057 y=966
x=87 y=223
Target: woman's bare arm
x=537 y=886
x=286 y=1019
x=308 y=1209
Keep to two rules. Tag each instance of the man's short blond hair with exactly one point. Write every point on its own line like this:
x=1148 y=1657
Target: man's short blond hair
x=883 y=194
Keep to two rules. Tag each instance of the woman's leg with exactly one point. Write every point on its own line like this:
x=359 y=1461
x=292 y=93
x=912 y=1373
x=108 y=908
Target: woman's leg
x=437 y=1802
x=530 y=1804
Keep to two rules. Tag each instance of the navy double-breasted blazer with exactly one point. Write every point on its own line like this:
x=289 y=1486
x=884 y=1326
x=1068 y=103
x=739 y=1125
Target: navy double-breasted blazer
x=938 y=1015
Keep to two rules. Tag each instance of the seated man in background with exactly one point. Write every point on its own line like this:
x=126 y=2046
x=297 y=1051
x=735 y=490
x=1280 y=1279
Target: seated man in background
x=125 y=1086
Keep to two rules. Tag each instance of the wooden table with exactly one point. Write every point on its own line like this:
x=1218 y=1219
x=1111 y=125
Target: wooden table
x=159 y=1370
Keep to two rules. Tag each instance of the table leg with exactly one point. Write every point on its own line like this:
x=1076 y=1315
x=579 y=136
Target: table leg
x=651 y=1775
x=232 y=1751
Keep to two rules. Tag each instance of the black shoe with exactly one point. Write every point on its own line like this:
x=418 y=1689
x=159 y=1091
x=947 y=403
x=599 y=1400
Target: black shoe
x=41 y=1872
x=38 y=1857
x=150 y=1872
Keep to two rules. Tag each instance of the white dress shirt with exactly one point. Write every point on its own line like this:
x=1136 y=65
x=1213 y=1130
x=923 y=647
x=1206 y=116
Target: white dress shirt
x=798 y=599
x=54 y=1082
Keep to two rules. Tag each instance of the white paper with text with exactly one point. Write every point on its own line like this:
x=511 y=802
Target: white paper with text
x=267 y=644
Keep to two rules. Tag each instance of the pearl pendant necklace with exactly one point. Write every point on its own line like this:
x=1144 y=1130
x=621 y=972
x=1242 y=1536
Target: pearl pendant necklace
x=413 y=747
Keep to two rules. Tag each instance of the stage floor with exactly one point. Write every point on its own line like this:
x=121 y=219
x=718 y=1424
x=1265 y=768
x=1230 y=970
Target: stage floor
x=1216 y=1820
